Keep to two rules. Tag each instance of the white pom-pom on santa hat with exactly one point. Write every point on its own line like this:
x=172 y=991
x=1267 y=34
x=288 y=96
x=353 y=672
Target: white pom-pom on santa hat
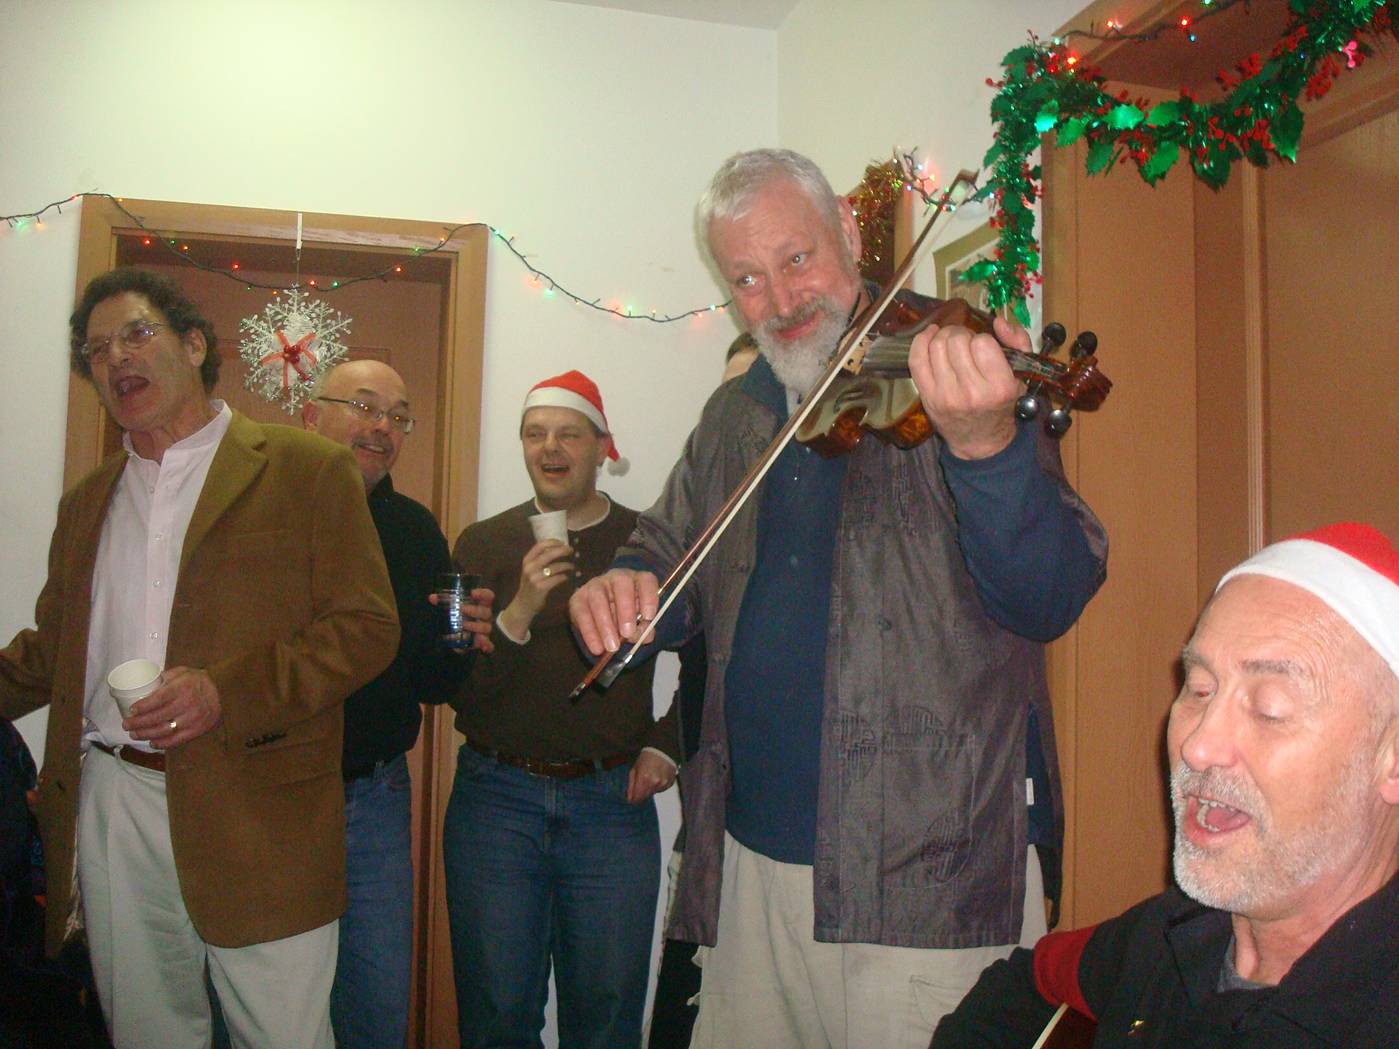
x=1352 y=567
x=575 y=390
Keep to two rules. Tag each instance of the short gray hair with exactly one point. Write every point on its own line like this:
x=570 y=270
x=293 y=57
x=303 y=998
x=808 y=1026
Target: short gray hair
x=741 y=176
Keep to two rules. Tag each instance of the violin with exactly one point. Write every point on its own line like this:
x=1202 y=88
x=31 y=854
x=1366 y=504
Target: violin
x=867 y=386
x=876 y=394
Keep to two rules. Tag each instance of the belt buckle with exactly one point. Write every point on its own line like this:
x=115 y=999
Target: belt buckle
x=556 y=769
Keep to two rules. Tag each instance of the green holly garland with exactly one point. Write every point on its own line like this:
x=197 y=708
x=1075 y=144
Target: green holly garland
x=1046 y=88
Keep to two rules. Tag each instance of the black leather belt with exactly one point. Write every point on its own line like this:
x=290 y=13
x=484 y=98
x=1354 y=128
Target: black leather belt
x=575 y=768
x=145 y=758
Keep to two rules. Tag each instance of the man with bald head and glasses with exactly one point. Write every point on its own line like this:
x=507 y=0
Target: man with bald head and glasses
x=364 y=405
x=203 y=827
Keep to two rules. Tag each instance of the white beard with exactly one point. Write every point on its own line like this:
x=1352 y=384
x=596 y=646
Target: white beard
x=1255 y=875
x=799 y=365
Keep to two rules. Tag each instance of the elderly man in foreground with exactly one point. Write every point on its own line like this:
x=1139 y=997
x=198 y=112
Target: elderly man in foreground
x=1284 y=750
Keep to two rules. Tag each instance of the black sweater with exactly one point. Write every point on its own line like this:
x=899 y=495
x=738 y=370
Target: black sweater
x=382 y=718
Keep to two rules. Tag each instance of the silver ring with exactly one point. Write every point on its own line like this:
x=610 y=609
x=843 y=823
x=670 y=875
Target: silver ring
x=547 y=572
x=174 y=724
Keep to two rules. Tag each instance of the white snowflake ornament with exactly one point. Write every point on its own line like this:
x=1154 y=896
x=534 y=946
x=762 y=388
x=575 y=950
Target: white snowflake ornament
x=289 y=346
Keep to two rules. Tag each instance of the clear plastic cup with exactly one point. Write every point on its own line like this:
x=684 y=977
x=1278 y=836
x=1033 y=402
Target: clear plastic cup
x=453 y=591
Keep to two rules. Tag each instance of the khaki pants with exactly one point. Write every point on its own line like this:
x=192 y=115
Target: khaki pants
x=149 y=963
x=768 y=984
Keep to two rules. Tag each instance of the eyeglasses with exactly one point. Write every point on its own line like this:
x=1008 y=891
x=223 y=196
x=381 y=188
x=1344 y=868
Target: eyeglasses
x=400 y=421
x=133 y=335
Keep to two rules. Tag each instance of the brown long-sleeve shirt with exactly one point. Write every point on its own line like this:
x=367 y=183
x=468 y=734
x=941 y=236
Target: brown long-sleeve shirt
x=516 y=699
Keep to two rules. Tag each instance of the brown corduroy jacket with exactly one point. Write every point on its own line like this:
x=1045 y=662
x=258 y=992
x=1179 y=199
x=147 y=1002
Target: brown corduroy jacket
x=284 y=600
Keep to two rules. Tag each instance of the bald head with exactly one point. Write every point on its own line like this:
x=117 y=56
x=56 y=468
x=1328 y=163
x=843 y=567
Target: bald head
x=347 y=399
x=1285 y=768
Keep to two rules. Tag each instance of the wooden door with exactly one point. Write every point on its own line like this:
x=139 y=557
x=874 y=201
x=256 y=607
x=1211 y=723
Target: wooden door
x=1249 y=333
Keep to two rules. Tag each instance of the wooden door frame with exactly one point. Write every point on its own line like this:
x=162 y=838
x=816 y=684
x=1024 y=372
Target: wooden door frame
x=1229 y=282
x=455 y=476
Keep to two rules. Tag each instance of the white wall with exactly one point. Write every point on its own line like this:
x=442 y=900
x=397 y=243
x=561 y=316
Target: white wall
x=857 y=79
x=586 y=133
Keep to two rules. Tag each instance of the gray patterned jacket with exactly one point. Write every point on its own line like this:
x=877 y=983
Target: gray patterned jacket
x=922 y=821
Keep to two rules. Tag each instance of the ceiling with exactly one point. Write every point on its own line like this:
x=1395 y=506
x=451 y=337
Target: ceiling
x=756 y=14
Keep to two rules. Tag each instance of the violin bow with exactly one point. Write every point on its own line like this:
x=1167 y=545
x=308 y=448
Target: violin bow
x=610 y=664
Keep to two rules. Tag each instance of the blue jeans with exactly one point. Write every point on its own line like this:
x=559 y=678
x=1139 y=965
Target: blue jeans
x=369 y=999
x=542 y=870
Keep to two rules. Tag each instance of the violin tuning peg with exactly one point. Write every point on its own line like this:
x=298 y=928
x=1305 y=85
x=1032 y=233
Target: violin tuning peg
x=1084 y=346
x=1027 y=407
x=1058 y=422
x=1052 y=337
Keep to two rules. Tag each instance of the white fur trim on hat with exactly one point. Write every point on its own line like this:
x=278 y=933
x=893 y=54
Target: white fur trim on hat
x=1365 y=595
x=558 y=397
x=573 y=390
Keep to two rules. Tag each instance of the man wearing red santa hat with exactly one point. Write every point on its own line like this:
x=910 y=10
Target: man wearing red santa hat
x=550 y=840
x=1284 y=751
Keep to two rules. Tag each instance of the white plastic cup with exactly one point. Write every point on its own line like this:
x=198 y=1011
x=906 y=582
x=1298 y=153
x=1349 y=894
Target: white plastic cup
x=135 y=679
x=551 y=525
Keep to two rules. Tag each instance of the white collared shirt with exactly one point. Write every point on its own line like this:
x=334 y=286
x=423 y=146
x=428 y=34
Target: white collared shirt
x=138 y=565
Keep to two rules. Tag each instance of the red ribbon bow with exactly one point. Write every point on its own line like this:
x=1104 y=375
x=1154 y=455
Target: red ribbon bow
x=291 y=355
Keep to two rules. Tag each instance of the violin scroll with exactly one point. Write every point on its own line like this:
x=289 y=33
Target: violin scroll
x=1079 y=385
x=1031 y=402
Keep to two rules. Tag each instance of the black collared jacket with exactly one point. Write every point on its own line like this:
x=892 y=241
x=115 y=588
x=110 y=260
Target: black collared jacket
x=1150 y=977
x=382 y=718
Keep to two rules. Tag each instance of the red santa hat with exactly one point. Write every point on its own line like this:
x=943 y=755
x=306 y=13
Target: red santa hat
x=1352 y=567
x=575 y=390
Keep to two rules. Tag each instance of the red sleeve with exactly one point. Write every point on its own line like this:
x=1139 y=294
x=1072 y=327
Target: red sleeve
x=1056 y=968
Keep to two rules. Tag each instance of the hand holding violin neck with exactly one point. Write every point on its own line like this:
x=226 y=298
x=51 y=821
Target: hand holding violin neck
x=966 y=386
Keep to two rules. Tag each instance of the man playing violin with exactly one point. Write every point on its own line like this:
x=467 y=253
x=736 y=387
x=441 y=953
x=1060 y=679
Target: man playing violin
x=1284 y=752
x=857 y=816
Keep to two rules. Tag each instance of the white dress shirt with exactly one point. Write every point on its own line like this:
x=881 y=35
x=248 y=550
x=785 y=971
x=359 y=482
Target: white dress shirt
x=138 y=565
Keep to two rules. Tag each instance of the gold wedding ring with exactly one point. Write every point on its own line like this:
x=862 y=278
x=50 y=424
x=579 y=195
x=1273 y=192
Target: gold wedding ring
x=547 y=572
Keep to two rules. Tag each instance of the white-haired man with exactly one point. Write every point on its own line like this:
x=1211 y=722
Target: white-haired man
x=1284 y=750
x=856 y=816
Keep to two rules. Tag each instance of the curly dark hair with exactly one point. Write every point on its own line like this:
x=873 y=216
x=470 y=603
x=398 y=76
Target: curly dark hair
x=162 y=293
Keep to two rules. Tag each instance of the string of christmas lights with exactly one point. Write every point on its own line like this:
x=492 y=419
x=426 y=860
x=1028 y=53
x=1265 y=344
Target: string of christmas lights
x=22 y=220
x=19 y=221
x=1112 y=29
x=539 y=277
x=1047 y=88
